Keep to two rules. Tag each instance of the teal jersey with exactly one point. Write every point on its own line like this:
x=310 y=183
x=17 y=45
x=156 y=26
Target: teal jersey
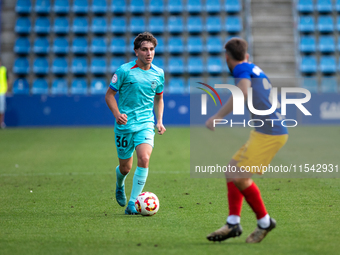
x=137 y=89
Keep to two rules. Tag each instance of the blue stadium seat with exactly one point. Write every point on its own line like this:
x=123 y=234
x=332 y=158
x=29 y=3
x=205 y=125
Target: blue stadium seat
x=23 y=6
x=41 y=45
x=60 y=45
x=194 y=24
x=308 y=64
x=324 y=6
x=79 y=45
x=175 y=6
x=21 y=66
x=160 y=49
x=137 y=25
x=43 y=6
x=115 y=63
x=80 y=6
x=329 y=84
x=338 y=23
x=137 y=6
x=175 y=24
x=176 y=45
x=22 y=45
x=338 y=45
x=61 y=25
x=99 y=25
x=21 y=87
x=159 y=62
x=214 y=45
x=306 y=24
x=156 y=25
x=59 y=87
x=176 y=85
x=80 y=25
x=214 y=24
x=156 y=6
x=118 y=45
x=40 y=86
x=61 y=6
x=194 y=6
x=40 y=66
x=310 y=83
x=79 y=86
x=337 y=5
x=79 y=65
x=233 y=24
x=307 y=44
x=59 y=65
x=325 y=24
x=232 y=6
x=305 y=6
x=42 y=25
x=98 y=45
x=99 y=6
x=195 y=45
x=213 y=6
x=118 y=25
x=98 y=86
x=195 y=65
x=131 y=46
x=23 y=25
x=327 y=64
x=326 y=44
x=98 y=66
x=176 y=65
x=118 y=6
x=215 y=65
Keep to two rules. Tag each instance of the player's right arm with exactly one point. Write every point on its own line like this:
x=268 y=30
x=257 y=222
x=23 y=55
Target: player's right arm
x=111 y=102
x=243 y=84
x=116 y=83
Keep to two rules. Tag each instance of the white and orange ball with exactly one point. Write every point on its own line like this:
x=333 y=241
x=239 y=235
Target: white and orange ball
x=147 y=204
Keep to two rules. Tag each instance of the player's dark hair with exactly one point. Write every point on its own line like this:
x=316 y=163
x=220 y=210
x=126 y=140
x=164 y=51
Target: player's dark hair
x=237 y=48
x=146 y=36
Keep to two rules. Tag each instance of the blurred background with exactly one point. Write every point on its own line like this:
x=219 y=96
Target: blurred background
x=61 y=54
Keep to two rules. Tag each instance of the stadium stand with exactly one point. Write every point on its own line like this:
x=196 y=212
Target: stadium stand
x=23 y=6
x=61 y=6
x=40 y=86
x=22 y=46
x=79 y=87
x=59 y=87
x=60 y=46
x=63 y=39
x=21 y=86
x=41 y=46
x=156 y=6
x=98 y=86
x=176 y=85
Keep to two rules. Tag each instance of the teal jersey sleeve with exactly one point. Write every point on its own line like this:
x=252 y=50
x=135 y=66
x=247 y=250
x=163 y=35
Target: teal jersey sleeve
x=160 y=87
x=118 y=79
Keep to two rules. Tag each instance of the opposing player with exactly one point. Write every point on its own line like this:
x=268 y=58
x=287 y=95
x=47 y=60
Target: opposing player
x=258 y=151
x=140 y=85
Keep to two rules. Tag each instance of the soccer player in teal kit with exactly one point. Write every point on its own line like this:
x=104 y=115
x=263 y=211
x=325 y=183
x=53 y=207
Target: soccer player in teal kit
x=140 y=85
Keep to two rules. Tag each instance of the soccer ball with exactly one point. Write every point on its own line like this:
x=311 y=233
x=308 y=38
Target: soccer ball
x=147 y=204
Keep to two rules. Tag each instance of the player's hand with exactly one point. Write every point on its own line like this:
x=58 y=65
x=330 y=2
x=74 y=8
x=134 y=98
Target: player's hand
x=161 y=128
x=210 y=123
x=121 y=119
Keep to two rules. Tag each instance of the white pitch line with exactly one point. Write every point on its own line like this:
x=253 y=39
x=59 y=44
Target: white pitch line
x=80 y=173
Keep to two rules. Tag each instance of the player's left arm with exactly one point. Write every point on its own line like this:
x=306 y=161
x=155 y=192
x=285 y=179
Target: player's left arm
x=243 y=84
x=159 y=109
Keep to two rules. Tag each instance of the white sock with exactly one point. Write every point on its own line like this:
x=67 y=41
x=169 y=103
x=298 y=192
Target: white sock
x=264 y=222
x=234 y=219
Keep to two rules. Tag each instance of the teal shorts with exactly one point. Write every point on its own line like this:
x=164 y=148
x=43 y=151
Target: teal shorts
x=127 y=142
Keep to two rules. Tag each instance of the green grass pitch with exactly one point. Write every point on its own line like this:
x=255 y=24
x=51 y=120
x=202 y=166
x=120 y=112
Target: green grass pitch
x=57 y=197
